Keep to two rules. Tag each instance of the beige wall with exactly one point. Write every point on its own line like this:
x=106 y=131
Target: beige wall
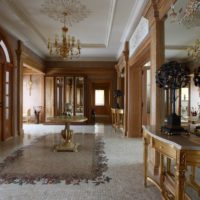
x=35 y=97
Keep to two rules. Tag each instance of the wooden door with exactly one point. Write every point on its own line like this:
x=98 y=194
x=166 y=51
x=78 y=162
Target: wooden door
x=2 y=59
x=5 y=98
x=102 y=108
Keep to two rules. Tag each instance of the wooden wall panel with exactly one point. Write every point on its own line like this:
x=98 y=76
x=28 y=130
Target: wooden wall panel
x=136 y=63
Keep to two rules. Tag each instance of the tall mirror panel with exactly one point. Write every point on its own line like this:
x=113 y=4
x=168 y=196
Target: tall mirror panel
x=49 y=97
x=69 y=96
x=79 y=106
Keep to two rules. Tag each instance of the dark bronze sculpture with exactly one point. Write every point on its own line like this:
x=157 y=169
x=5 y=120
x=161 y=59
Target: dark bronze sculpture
x=172 y=76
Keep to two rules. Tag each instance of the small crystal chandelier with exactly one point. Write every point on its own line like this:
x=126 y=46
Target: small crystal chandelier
x=67 y=47
x=189 y=17
x=194 y=51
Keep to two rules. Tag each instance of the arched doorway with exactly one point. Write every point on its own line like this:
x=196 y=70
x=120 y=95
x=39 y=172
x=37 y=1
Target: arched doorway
x=5 y=92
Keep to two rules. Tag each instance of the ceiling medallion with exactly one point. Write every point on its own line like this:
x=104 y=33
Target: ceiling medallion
x=75 y=11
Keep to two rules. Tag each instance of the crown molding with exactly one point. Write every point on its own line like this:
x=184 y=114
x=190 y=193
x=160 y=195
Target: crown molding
x=111 y=14
x=177 y=47
x=19 y=11
x=81 y=59
x=87 y=45
x=132 y=23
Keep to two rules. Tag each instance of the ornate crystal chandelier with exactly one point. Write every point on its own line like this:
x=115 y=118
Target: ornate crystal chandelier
x=194 y=51
x=67 y=12
x=67 y=47
x=190 y=16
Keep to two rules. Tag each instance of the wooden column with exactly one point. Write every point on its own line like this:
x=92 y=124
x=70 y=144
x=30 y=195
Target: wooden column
x=157 y=59
x=135 y=101
x=155 y=12
x=19 y=88
x=126 y=56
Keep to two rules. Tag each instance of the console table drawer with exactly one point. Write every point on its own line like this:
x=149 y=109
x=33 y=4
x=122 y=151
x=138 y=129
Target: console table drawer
x=164 y=148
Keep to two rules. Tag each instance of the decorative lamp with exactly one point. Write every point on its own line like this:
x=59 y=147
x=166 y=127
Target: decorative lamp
x=116 y=95
x=67 y=47
x=67 y=12
x=172 y=76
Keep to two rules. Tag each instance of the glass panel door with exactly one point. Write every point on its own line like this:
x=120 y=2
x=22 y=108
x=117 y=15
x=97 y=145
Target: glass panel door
x=64 y=95
x=7 y=120
x=49 y=96
x=69 y=96
x=59 y=95
x=79 y=96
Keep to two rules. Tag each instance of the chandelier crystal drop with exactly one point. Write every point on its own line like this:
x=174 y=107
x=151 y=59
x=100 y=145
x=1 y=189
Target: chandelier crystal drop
x=189 y=16
x=194 y=51
x=68 y=46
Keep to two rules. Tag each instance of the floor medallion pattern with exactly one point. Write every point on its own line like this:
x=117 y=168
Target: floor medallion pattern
x=39 y=163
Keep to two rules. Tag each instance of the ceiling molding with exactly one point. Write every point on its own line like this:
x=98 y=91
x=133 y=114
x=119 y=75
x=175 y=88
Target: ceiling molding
x=86 y=45
x=81 y=59
x=111 y=14
x=132 y=23
x=19 y=11
x=32 y=69
x=176 y=47
x=11 y=28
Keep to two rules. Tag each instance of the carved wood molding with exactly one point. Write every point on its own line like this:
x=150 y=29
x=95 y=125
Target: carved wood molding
x=142 y=52
x=27 y=59
x=123 y=60
x=157 y=9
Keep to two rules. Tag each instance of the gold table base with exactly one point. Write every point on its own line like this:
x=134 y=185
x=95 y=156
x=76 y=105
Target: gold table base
x=67 y=146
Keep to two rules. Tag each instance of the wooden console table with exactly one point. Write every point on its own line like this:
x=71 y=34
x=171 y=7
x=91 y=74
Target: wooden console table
x=183 y=150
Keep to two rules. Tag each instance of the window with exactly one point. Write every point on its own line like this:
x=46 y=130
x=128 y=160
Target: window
x=5 y=50
x=99 y=97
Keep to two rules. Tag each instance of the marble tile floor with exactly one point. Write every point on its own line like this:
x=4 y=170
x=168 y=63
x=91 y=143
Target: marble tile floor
x=125 y=168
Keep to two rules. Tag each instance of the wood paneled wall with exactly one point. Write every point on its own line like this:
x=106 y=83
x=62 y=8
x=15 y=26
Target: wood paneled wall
x=19 y=54
x=136 y=64
x=96 y=72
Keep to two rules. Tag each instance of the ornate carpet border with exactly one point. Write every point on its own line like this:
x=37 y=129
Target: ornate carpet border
x=98 y=178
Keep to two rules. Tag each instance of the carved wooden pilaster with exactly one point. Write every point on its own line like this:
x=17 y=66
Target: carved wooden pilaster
x=157 y=59
x=19 y=87
x=180 y=175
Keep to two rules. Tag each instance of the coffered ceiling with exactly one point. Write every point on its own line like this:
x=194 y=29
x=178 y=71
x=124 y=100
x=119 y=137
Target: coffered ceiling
x=102 y=33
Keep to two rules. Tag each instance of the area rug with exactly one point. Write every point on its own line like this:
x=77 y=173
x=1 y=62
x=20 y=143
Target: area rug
x=39 y=162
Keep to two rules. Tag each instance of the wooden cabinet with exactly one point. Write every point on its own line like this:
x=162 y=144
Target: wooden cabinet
x=64 y=95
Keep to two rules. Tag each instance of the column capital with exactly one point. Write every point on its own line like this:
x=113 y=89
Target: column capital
x=157 y=10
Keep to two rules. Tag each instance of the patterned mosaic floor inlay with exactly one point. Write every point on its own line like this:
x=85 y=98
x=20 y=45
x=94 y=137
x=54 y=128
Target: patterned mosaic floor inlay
x=39 y=163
